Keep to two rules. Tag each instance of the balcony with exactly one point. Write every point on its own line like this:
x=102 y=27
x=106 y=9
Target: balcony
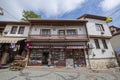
x=82 y=37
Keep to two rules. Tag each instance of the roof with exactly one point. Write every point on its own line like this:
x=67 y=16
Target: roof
x=92 y=16
x=114 y=27
x=13 y=22
x=56 y=21
x=118 y=33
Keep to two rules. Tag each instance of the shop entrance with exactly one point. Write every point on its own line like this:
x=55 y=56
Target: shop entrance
x=45 y=58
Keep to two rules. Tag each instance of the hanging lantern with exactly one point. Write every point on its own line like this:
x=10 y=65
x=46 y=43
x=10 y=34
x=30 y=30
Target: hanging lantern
x=108 y=19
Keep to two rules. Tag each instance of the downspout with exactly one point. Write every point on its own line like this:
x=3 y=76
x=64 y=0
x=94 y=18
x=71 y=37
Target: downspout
x=88 y=46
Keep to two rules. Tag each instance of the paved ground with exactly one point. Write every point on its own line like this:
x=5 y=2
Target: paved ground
x=37 y=73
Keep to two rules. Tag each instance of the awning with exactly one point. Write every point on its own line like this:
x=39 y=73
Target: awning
x=39 y=47
x=10 y=40
x=76 y=47
x=60 y=47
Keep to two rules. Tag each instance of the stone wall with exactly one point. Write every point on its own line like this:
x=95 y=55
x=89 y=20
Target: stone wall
x=103 y=63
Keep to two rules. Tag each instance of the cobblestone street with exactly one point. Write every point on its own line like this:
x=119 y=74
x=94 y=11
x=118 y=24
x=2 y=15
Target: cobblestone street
x=36 y=73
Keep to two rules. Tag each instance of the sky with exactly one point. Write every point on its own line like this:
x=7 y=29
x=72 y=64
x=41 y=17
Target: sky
x=61 y=9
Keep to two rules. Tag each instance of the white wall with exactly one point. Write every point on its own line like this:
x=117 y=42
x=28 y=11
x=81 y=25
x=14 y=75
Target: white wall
x=9 y=27
x=54 y=29
x=92 y=28
x=98 y=52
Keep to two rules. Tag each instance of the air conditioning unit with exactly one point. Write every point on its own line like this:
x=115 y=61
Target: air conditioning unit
x=103 y=50
x=90 y=45
x=102 y=32
x=5 y=32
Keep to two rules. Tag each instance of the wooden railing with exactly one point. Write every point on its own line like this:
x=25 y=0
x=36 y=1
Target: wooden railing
x=59 y=37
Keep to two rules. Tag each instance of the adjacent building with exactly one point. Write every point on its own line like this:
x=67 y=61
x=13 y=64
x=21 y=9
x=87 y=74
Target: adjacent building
x=101 y=53
x=12 y=40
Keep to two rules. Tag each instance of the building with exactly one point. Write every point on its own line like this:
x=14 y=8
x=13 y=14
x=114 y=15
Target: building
x=115 y=38
x=84 y=41
x=115 y=41
x=114 y=29
x=57 y=40
x=101 y=54
x=12 y=40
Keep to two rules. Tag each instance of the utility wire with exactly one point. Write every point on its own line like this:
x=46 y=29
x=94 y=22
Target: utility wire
x=10 y=14
x=115 y=12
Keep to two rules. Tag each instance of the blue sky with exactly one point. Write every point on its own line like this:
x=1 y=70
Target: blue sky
x=61 y=9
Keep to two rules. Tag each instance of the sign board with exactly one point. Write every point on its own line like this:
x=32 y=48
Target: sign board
x=69 y=63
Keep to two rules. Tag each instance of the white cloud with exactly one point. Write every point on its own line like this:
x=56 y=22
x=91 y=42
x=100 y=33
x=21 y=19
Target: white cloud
x=109 y=4
x=53 y=7
x=50 y=8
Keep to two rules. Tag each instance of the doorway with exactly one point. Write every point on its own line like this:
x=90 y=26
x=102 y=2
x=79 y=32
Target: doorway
x=45 y=58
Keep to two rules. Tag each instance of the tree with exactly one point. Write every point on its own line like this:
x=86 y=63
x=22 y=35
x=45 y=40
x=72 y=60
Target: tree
x=29 y=14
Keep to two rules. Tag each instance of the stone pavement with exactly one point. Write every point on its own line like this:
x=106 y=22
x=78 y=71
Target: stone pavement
x=43 y=73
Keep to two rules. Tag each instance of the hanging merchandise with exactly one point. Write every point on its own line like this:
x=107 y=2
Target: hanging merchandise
x=17 y=47
x=12 y=45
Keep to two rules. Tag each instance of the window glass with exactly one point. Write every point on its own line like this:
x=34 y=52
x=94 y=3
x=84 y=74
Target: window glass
x=45 y=32
x=71 y=32
x=97 y=43
x=99 y=27
x=61 y=32
x=104 y=44
x=21 y=30
x=14 y=30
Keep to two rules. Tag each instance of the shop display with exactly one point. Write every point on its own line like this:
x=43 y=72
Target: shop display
x=4 y=58
x=18 y=64
x=35 y=58
x=69 y=63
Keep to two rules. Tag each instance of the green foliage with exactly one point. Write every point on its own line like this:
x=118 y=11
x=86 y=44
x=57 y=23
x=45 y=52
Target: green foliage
x=29 y=14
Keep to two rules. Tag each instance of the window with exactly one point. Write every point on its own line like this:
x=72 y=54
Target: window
x=99 y=27
x=61 y=32
x=62 y=55
x=21 y=30
x=71 y=32
x=45 y=32
x=97 y=43
x=104 y=44
x=14 y=30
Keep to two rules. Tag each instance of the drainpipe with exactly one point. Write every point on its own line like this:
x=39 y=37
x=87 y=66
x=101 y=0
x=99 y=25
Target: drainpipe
x=88 y=46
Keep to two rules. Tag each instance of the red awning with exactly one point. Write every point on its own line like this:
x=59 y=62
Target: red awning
x=60 y=47
x=39 y=47
x=76 y=47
